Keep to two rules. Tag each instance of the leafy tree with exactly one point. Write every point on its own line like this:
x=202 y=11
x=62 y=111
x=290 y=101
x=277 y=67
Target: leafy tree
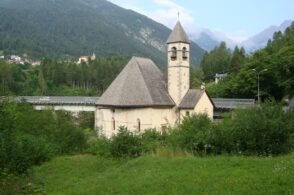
x=42 y=83
x=197 y=77
x=60 y=77
x=217 y=61
x=29 y=137
x=277 y=81
x=237 y=60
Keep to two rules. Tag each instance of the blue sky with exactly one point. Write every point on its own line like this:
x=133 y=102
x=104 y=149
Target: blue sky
x=237 y=19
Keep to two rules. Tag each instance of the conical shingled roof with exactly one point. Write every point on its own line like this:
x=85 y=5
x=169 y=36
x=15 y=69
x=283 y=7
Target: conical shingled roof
x=139 y=84
x=178 y=35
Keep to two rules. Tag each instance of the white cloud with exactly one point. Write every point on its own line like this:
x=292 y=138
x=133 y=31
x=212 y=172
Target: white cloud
x=238 y=38
x=167 y=14
x=129 y=5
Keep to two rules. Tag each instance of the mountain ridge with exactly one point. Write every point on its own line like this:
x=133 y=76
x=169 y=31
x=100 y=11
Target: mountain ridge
x=209 y=40
x=62 y=29
x=260 y=40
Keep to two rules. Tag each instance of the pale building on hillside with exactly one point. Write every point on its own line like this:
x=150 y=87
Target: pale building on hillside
x=218 y=77
x=140 y=98
x=86 y=58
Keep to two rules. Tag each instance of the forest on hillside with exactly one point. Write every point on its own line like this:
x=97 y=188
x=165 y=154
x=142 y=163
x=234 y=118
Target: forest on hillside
x=68 y=29
x=276 y=61
x=65 y=78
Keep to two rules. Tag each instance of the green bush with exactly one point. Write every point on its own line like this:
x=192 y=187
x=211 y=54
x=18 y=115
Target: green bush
x=99 y=146
x=262 y=130
x=265 y=130
x=152 y=140
x=29 y=137
x=67 y=135
x=37 y=149
x=192 y=134
x=125 y=144
x=220 y=138
x=25 y=152
x=289 y=120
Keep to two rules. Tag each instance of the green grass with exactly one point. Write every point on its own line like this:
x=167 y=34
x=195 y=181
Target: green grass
x=86 y=174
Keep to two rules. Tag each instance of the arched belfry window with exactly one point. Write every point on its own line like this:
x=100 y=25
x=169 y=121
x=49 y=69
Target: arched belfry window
x=113 y=124
x=139 y=125
x=184 y=53
x=174 y=53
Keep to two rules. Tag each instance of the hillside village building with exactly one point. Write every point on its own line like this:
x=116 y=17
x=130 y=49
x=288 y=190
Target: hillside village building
x=218 y=77
x=86 y=59
x=140 y=98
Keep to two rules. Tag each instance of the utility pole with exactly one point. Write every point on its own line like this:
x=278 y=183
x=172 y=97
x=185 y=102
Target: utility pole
x=258 y=85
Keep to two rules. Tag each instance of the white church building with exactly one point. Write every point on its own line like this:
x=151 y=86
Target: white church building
x=140 y=98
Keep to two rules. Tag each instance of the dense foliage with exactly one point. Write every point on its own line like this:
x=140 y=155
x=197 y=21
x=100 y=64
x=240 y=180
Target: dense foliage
x=192 y=134
x=59 y=78
x=125 y=144
x=62 y=29
x=217 y=61
x=265 y=130
x=29 y=137
x=277 y=58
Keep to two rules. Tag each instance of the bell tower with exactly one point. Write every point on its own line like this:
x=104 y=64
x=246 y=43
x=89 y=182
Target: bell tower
x=178 y=54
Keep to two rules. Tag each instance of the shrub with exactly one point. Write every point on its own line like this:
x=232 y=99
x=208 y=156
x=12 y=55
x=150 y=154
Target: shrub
x=262 y=130
x=86 y=120
x=152 y=140
x=220 y=138
x=289 y=120
x=26 y=151
x=99 y=146
x=37 y=149
x=192 y=134
x=125 y=144
x=68 y=137
x=57 y=127
x=29 y=137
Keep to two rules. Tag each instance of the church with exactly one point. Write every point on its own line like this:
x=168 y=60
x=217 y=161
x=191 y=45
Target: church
x=141 y=98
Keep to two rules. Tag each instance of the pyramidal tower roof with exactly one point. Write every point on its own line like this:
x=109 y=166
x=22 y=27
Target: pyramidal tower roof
x=139 y=84
x=178 y=35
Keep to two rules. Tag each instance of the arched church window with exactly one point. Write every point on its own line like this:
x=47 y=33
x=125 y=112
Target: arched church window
x=113 y=124
x=174 y=53
x=184 y=53
x=139 y=125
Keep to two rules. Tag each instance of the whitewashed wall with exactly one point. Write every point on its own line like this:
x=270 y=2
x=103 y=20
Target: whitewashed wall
x=149 y=118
